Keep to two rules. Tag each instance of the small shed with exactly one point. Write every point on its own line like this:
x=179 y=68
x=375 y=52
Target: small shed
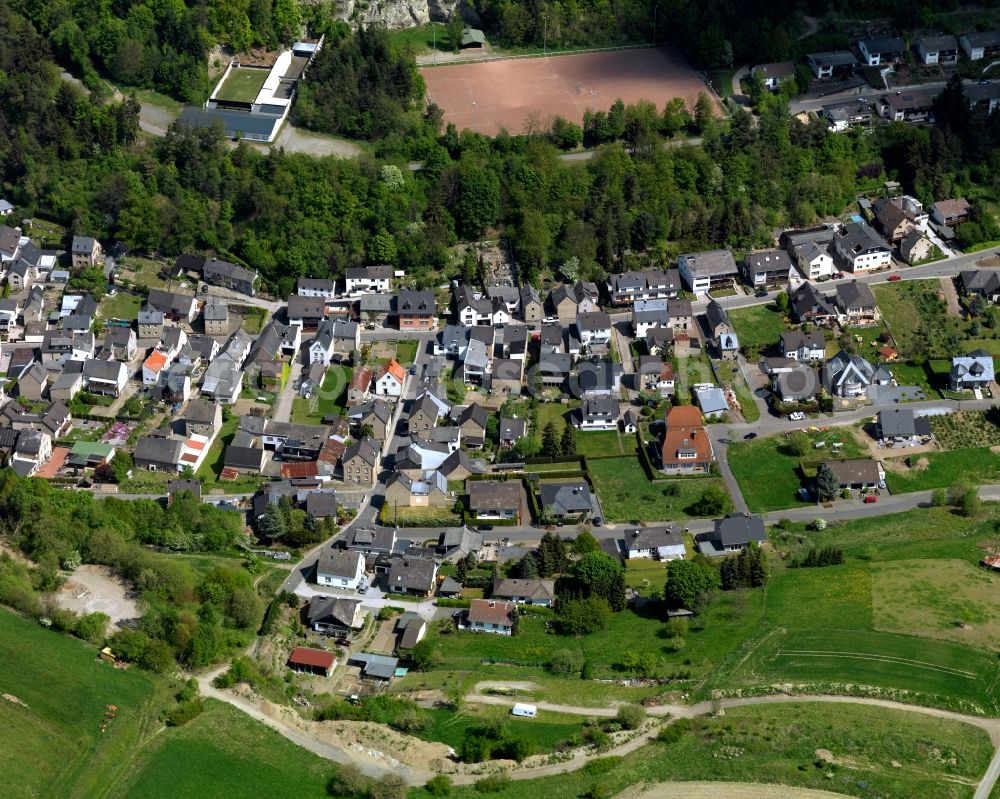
x=473 y=38
x=312 y=661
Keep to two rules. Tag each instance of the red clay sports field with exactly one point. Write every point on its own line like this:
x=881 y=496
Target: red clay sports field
x=492 y=95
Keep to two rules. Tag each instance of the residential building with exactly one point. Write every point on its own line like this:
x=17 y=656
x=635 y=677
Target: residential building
x=983 y=95
x=340 y=568
x=792 y=381
x=158 y=453
x=857 y=473
x=511 y=431
x=598 y=413
x=86 y=252
x=376 y=308
x=687 y=448
x=320 y=347
x=950 y=213
x=594 y=328
x=105 y=377
x=317 y=662
x=368 y=279
x=937 y=49
x=651 y=284
x=846 y=115
x=346 y=337
x=704 y=271
x=901 y=426
x=414 y=576
x=306 y=311
x=856 y=305
x=882 y=50
x=174 y=306
x=848 y=376
x=491 y=616
x=985 y=282
x=33 y=382
x=120 y=344
x=427 y=411
x=767 y=268
x=335 y=615
x=201 y=418
x=374 y=414
x=472 y=308
x=732 y=533
x=722 y=334
x=860 y=249
x=711 y=400
x=316 y=287
x=647 y=314
x=980 y=44
x=598 y=378
x=525 y=591
x=894 y=219
x=472 y=423
x=915 y=247
x=31 y=451
x=833 y=64
x=150 y=322
x=417 y=310
x=972 y=372
x=532 y=309
x=655 y=374
x=361 y=381
x=230 y=276
x=456 y=543
x=215 y=314
x=570 y=500
x=494 y=499
x=510 y=296
x=361 y=462
x=803 y=347
x=808 y=304
x=915 y=106
x=665 y=542
x=773 y=75
x=430 y=490
x=389 y=380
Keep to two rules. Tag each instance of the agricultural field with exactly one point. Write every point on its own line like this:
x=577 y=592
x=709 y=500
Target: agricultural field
x=964 y=429
x=627 y=495
x=768 y=471
x=941 y=469
x=758 y=328
x=224 y=754
x=851 y=750
x=50 y=738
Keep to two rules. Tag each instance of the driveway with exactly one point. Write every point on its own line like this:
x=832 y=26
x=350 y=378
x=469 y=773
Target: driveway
x=283 y=405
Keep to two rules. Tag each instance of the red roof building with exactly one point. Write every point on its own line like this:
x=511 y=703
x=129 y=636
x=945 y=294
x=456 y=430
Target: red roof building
x=312 y=661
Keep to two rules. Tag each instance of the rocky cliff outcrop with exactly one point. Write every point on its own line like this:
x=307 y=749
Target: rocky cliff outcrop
x=397 y=14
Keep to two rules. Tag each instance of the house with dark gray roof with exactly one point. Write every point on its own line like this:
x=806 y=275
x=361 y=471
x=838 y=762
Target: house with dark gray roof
x=856 y=304
x=971 y=372
x=732 y=533
x=525 y=591
x=662 y=542
x=230 y=276
x=413 y=576
x=335 y=615
x=566 y=500
x=902 y=426
x=158 y=453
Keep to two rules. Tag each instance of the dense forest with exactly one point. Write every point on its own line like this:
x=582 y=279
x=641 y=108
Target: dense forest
x=70 y=158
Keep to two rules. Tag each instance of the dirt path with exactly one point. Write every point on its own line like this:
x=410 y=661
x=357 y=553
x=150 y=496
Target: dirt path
x=951 y=295
x=722 y=790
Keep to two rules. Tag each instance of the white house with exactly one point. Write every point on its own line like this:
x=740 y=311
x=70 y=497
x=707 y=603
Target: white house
x=861 y=249
x=389 y=380
x=315 y=287
x=321 y=346
x=658 y=543
x=594 y=328
x=341 y=569
x=368 y=279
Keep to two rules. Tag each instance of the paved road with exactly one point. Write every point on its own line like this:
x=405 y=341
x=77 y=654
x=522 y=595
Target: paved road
x=865 y=93
x=282 y=411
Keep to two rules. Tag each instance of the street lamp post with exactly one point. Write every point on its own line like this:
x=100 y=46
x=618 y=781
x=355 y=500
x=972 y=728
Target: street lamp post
x=473 y=114
x=656 y=8
x=545 y=35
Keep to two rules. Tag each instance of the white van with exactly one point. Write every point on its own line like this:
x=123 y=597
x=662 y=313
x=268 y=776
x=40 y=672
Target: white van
x=525 y=711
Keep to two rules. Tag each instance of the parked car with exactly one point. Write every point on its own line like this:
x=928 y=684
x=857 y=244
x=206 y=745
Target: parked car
x=749 y=436
x=343 y=642
x=894 y=277
x=760 y=293
x=550 y=320
x=870 y=499
x=796 y=416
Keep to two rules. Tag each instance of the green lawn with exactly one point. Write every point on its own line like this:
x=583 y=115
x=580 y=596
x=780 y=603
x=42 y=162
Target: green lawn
x=768 y=474
x=52 y=745
x=547 y=730
x=727 y=622
x=216 y=460
x=627 y=495
x=224 y=754
x=943 y=469
x=331 y=398
x=777 y=745
x=422 y=38
x=242 y=85
x=758 y=328
x=406 y=352
x=603 y=443
x=745 y=396
x=123 y=305
x=554 y=412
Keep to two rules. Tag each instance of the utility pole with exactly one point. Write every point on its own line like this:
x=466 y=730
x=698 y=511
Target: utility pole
x=473 y=114
x=545 y=35
x=656 y=8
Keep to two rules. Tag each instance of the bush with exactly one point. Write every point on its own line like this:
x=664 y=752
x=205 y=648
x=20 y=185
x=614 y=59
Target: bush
x=349 y=782
x=631 y=716
x=566 y=661
x=494 y=783
x=672 y=733
x=439 y=785
x=601 y=765
x=184 y=712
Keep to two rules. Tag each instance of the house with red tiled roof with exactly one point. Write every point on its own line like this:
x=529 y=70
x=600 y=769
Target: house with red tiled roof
x=687 y=449
x=154 y=366
x=361 y=382
x=389 y=380
x=492 y=616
